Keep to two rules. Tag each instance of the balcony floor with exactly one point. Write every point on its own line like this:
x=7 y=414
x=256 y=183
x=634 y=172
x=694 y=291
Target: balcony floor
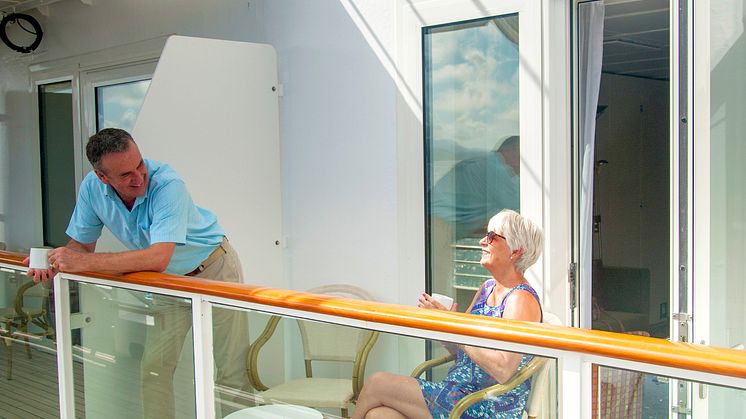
x=32 y=392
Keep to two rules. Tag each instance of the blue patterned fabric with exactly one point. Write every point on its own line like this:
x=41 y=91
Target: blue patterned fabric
x=466 y=377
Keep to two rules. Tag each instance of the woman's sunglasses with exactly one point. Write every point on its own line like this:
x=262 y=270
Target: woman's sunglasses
x=491 y=236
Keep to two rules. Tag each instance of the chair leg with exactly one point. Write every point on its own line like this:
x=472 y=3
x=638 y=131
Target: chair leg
x=24 y=329
x=28 y=348
x=9 y=358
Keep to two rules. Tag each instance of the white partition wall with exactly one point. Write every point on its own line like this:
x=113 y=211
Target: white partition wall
x=212 y=113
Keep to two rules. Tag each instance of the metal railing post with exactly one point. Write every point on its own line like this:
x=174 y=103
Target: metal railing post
x=571 y=387
x=64 y=347
x=203 y=359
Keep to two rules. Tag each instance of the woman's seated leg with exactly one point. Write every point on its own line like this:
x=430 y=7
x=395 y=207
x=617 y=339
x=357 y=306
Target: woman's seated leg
x=384 y=412
x=399 y=394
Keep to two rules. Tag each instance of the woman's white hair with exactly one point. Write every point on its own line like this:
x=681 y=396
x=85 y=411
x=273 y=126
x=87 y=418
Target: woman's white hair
x=519 y=232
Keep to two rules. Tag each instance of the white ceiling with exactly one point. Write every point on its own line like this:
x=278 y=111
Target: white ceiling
x=636 y=35
x=11 y=6
x=4 y=3
x=636 y=38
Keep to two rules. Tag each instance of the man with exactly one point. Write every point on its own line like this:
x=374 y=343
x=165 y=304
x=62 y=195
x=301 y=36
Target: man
x=146 y=205
x=477 y=188
x=463 y=201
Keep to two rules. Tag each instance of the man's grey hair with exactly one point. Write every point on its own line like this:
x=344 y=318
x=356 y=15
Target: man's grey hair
x=106 y=141
x=519 y=232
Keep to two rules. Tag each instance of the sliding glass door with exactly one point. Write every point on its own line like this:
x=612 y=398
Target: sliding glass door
x=670 y=193
x=626 y=181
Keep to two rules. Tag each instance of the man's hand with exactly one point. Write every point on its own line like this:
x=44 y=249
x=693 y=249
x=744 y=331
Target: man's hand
x=40 y=275
x=64 y=259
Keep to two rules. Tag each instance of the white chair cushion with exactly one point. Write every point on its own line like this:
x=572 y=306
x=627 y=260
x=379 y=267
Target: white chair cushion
x=276 y=411
x=314 y=392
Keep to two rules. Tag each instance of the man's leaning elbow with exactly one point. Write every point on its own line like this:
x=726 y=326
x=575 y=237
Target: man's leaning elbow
x=161 y=266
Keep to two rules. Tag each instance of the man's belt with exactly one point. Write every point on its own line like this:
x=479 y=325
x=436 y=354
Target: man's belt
x=216 y=254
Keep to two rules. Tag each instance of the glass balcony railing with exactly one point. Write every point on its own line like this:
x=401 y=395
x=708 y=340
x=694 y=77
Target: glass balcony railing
x=152 y=345
x=112 y=353
x=28 y=364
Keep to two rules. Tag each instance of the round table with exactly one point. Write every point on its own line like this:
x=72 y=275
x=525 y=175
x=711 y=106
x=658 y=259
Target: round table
x=276 y=411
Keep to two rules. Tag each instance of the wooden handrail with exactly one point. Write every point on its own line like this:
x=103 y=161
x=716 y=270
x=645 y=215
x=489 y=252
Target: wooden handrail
x=707 y=359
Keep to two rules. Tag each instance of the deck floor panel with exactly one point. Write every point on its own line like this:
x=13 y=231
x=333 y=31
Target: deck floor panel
x=33 y=390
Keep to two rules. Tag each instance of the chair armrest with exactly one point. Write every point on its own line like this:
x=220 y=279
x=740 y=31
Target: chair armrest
x=496 y=390
x=358 y=374
x=19 y=298
x=431 y=364
x=251 y=361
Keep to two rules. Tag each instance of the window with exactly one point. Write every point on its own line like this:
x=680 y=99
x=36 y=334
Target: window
x=112 y=98
x=109 y=98
x=472 y=145
x=117 y=105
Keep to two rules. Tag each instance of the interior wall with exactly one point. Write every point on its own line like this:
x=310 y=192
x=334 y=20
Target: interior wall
x=632 y=190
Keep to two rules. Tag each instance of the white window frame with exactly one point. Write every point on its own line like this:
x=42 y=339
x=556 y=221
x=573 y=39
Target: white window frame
x=92 y=79
x=80 y=69
x=535 y=197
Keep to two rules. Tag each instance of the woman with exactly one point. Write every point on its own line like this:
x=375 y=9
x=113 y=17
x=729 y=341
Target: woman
x=512 y=244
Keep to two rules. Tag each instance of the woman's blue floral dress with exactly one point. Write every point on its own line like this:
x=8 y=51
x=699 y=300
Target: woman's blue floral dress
x=467 y=377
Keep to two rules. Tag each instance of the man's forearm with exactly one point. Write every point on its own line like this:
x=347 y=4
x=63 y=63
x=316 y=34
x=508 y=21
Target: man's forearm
x=155 y=258
x=129 y=261
x=80 y=247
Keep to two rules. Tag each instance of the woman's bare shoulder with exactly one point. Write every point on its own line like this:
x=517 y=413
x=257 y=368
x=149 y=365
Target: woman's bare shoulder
x=522 y=305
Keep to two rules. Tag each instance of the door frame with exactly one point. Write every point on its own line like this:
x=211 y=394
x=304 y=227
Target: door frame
x=413 y=16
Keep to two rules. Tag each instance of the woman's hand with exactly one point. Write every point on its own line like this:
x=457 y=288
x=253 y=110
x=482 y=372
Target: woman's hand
x=427 y=301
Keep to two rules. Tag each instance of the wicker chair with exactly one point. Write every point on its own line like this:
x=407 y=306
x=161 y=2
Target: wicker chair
x=321 y=342
x=16 y=320
x=538 y=369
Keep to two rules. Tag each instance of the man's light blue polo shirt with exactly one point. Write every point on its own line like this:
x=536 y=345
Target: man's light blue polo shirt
x=165 y=213
x=473 y=191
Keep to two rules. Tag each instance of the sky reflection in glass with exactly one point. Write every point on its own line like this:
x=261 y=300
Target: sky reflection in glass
x=118 y=105
x=473 y=89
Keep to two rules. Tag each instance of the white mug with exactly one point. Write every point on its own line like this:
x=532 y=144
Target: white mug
x=39 y=258
x=445 y=300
